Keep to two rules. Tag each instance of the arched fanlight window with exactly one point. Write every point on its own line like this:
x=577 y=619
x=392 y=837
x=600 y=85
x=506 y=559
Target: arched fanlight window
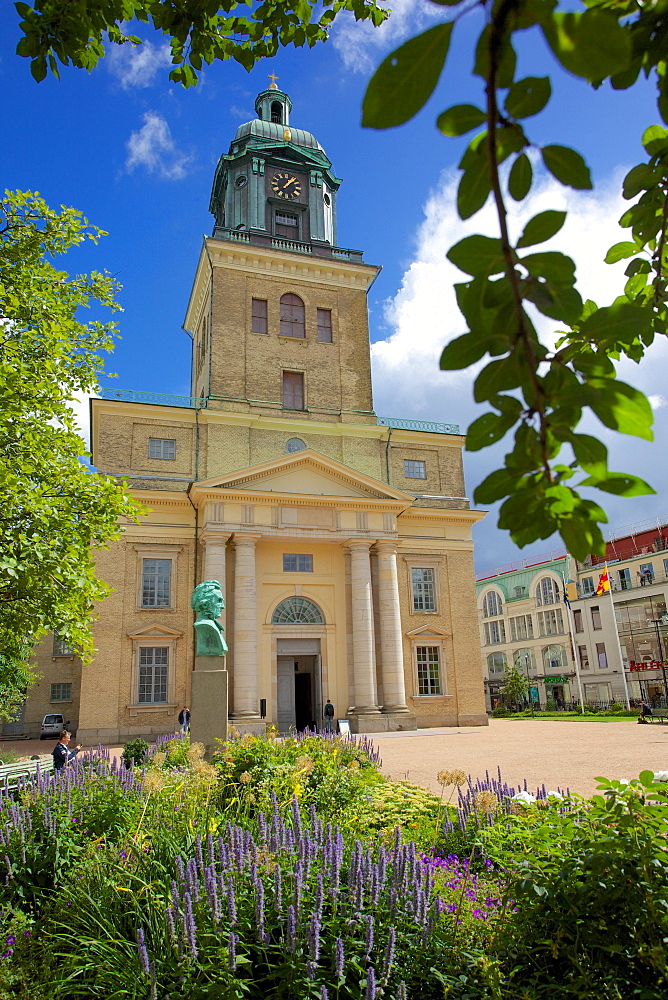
x=547 y=592
x=277 y=112
x=496 y=664
x=554 y=659
x=297 y=611
x=525 y=659
x=292 y=316
x=492 y=605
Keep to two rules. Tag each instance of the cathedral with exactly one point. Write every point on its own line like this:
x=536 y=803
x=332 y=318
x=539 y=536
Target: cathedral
x=342 y=540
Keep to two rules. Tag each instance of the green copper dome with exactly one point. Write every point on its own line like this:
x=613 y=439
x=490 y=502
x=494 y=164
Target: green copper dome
x=271 y=130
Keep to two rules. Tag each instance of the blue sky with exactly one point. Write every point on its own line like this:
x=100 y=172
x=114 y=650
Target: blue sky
x=136 y=155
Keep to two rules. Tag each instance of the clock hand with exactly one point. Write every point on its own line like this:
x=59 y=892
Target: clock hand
x=291 y=181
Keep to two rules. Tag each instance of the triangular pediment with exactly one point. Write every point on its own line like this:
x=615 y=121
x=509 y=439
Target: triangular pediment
x=155 y=631
x=306 y=473
x=424 y=631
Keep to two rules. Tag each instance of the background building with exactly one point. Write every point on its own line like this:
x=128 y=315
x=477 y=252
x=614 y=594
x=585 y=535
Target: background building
x=342 y=541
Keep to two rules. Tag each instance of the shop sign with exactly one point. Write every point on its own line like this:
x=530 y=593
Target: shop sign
x=556 y=680
x=645 y=665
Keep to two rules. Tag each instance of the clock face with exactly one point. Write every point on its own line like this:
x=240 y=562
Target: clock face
x=286 y=185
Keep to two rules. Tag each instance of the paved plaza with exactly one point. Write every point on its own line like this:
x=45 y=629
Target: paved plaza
x=560 y=753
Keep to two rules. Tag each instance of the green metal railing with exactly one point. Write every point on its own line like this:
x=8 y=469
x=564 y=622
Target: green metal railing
x=430 y=426
x=156 y=398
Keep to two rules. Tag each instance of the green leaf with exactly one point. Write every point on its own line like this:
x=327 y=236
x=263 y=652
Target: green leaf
x=477 y=255
x=529 y=96
x=638 y=179
x=473 y=191
x=622 y=322
x=460 y=119
x=405 y=80
x=507 y=62
x=567 y=166
x=488 y=429
x=620 y=251
x=497 y=376
x=592 y=44
x=620 y=407
x=558 y=301
x=655 y=140
x=646 y=778
x=463 y=351
x=620 y=483
x=590 y=453
x=496 y=486
x=555 y=267
x=520 y=178
x=541 y=228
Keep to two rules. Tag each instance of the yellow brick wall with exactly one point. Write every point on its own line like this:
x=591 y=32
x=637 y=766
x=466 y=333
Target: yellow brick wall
x=50 y=669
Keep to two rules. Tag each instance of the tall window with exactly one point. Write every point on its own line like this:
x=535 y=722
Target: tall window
x=588 y=585
x=276 y=112
x=156 y=583
x=525 y=659
x=550 y=622
x=521 y=628
x=325 y=326
x=153 y=664
x=495 y=633
x=429 y=669
x=554 y=659
x=601 y=656
x=547 y=592
x=292 y=316
x=491 y=605
x=293 y=390
x=424 y=591
x=583 y=657
x=596 y=619
x=286 y=225
x=61 y=647
x=297 y=563
x=577 y=621
x=414 y=470
x=259 y=316
x=496 y=664
x=163 y=448
x=61 y=692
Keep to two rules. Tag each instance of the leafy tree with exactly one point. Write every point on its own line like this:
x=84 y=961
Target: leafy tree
x=543 y=393
x=201 y=31
x=53 y=509
x=515 y=685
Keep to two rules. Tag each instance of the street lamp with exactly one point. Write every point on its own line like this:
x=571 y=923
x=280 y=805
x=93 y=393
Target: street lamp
x=656 y=622
x=526 y=667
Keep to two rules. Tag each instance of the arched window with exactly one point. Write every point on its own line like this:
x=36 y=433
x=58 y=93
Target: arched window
x=554 y=659
x=492 y=605
x=277 y=112
x=297 y=611
x=525 y=659
x=292 y=316
x=547 y=592
x=496 y=664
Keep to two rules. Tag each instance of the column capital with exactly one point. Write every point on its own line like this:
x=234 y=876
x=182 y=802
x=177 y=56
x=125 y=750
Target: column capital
x=390 y=545
x=358 y=543
x=212 y=537
x=245 y=538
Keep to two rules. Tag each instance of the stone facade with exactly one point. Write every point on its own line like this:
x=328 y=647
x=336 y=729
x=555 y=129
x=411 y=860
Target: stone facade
x=343 y=546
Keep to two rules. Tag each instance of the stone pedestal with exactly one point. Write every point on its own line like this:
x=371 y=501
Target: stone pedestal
x=208 y=702
x=387 y=722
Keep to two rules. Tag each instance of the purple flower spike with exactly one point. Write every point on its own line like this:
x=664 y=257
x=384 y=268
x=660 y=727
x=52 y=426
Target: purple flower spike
x=232 y=952
x=339 y=959
x=291 y=930
x=370 y=984
x=11 y=940
x=143 y=953
x=324 y=995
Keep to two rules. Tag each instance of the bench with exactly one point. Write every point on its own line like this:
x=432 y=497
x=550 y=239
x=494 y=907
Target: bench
x=10 y=774
x=658 y=715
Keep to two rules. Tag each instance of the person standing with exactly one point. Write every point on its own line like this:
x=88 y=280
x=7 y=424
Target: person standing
x=328 y=715
x=184 y=719
x=61 y=753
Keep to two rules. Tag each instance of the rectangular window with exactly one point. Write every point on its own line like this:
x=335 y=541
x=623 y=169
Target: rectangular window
x=297 y=563
x=414 y=470
x=583 y=656
x=577 y=620
x=495 y=632
x=162 y=448
x=61 y=647
x=588 y=585
x=521 y=628
x=424 y=592
x=293 y=390
x=601 y=656
x=325 y=326
x=287 y=225
x=156 y=583
x=259 y=316
x=595 y=619
x=550 y=622
x=61 y=692
x=153 y=663
x=429 y=669
x=665 y=567
x=646 y=573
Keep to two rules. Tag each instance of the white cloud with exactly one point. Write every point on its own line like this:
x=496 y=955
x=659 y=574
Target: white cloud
x=423 y=317
x=136 y=66
x=359 y=43
x=154 y=148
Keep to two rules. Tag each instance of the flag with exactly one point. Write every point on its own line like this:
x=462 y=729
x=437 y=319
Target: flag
x=570 y=592
x=603 y=583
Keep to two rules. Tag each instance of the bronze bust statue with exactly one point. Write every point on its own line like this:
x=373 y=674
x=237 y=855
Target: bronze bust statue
x=208 y=602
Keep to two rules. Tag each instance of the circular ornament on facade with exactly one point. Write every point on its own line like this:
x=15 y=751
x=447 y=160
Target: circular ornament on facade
x=295 y=444
x=241 y=181
x=328 y=200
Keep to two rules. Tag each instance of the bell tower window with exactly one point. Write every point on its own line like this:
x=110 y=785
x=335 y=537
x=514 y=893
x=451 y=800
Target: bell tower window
x=286 y=225
x=277 y=112
x=292 y=317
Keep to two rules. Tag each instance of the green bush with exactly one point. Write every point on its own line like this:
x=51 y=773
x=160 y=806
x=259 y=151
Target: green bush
x=134 y=753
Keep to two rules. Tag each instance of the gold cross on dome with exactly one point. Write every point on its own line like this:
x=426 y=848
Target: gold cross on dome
x=272 y=85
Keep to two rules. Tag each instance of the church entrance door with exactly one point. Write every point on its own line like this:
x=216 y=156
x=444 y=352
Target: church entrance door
x=298 y=686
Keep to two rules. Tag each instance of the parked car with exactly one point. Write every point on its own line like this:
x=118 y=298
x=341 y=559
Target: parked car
x=52 y=725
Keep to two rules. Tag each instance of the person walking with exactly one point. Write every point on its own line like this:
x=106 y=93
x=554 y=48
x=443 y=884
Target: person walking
x=61 y=753
x=328 y=715
x=184 y=719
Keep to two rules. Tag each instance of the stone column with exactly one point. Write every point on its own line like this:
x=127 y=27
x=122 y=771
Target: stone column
x=364 y=660
x=246 y=705
x=391 y=645
x=213 y=563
